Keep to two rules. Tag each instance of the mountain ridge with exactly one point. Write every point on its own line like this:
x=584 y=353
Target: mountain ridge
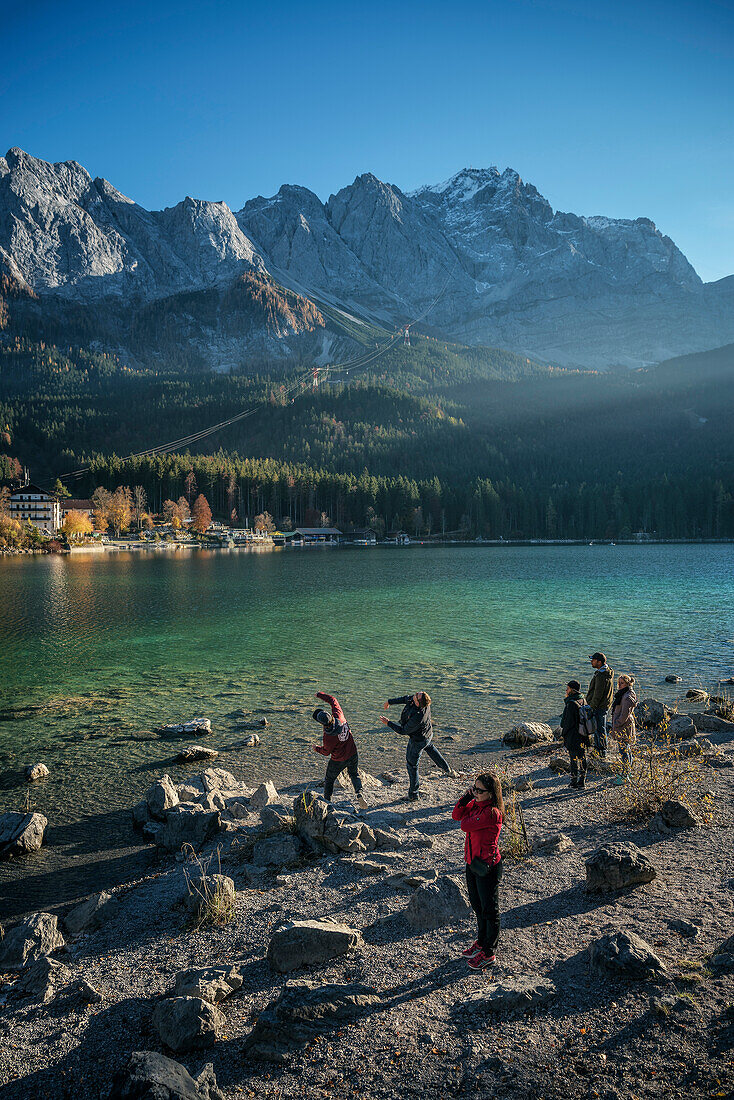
x=577 y=291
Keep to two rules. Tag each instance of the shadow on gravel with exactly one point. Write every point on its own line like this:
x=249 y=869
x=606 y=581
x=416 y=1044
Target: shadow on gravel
x=567 y=903
x=76 y=1074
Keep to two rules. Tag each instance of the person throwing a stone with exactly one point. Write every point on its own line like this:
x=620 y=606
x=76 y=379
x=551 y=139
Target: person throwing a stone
x=415 y=724
x=480 y=811
x=339 y=746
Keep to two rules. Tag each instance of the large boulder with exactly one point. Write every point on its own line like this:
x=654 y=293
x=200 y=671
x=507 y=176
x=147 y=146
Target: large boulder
x=336 y=832
x=41 y=980
x=91 y=913
x=709 y=723
x=276 y=851
x=651 y=713
x=140 y=814
x=187 y=1023
x=627 y=955
x=34 y=772
x=676 y=815
x=510 y=995
x=276 y=817
x=618 y=866
x=681 y=727
x=214 y=892
x=436 y=904
x=161 y=797
x=27 y=941
x=189 y=824
x=723 y=955
x=309 y=942
x=219 y=779
x=528 y=733
x=559 y=764
x=210 y=983
x=151 y=1076
x=21 y=833
x=301 y=1011
x=264 y=795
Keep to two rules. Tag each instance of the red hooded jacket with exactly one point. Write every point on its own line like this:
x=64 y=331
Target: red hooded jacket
x=481 y=821
x=338 y=741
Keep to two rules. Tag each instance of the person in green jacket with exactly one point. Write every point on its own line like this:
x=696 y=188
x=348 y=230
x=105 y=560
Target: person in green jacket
x=599 y=698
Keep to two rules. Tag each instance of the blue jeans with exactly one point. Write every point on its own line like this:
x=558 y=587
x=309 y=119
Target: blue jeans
x=600 y=738
x=412 y=756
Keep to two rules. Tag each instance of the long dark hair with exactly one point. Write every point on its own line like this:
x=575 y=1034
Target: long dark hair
x=491 y=781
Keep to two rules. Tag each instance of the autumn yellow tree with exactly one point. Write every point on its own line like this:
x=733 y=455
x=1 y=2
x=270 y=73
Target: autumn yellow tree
x=76 y=525
x=201 y=515
x=264 y=522
x=121 y=509
x=101 y=499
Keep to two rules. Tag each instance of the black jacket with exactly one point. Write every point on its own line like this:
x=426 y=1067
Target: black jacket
x=570 y=725
x=414 y=722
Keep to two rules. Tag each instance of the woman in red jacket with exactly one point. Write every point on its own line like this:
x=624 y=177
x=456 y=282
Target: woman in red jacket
x=480 y=812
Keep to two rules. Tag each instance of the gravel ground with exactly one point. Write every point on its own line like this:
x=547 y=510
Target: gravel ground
x=600 y=1037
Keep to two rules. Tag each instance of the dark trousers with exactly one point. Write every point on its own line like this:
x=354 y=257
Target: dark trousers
x=578 y=766
x=412 y=756
x=335 y=768
x=484 y=896
x=600 y=737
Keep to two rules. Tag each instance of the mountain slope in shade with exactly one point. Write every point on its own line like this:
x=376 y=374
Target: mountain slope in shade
x=508 y=270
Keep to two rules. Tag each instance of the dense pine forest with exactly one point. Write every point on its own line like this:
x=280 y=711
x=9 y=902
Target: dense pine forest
x=432 y=439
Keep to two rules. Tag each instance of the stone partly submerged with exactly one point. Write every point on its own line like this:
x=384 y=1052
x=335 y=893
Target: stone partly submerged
x=528 y=733
x=21 y=833
x=302 y=1010
x=34 y=772
x=151 y=1076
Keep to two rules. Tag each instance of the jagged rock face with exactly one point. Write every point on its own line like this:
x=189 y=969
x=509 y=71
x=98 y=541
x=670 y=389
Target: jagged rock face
x=64 y=231
x=580 y=291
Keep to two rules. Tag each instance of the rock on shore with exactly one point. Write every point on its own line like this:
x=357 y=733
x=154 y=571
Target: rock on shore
x=21 y=833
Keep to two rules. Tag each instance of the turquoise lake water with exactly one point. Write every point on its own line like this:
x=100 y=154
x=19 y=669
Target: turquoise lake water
x=108 y=647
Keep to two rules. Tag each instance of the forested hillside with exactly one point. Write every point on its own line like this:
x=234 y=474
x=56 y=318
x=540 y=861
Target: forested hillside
x=432 y=438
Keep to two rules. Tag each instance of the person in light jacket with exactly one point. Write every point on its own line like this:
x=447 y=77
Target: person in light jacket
x=624 y=728
x=480 y=811
x=415 y=723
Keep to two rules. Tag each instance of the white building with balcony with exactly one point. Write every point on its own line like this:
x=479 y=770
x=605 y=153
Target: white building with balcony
x=29 y=504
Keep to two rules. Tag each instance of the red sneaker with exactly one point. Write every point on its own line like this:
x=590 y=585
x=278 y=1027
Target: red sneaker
x=468 y=952
x=480 y=960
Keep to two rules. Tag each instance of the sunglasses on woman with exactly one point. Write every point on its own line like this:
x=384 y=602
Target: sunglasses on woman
x=480 y=790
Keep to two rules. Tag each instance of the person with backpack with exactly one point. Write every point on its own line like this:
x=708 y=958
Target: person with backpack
x=624 y=729
x=599 y=698
x=480 y=811
x=576 y=724
x=339 y=746
x=415 y=723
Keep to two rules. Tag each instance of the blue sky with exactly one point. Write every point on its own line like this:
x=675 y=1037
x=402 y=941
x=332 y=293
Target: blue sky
x=616 y=108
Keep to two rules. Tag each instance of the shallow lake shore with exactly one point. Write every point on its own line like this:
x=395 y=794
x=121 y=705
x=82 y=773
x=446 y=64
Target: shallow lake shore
x=429 y=1028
